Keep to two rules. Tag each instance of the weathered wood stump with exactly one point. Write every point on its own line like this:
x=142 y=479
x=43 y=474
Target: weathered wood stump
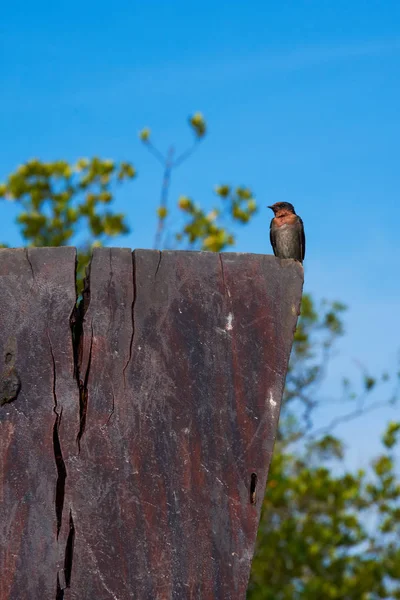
x=135 y=446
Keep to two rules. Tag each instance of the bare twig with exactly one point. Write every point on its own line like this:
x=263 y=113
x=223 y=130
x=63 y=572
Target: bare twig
x=185 y=155
x=153 y=150
x=168 y=166
x=358 y=412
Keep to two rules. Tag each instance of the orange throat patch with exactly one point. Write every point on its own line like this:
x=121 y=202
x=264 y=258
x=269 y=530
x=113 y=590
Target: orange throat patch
x=285 y=218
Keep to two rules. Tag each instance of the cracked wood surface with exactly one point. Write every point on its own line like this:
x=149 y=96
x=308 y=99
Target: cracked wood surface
x=36 y=300
x=139 y=471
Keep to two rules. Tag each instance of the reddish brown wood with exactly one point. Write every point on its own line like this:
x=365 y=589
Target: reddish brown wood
x=36 y=300
x=167 y=447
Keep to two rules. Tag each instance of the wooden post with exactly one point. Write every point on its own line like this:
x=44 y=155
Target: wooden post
x=135 y=445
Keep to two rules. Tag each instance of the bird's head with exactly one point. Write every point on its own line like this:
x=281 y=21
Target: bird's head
x=282 y=208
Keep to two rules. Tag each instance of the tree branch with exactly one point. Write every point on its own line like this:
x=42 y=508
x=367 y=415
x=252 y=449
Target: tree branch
x=185 y=155
x=168 y=164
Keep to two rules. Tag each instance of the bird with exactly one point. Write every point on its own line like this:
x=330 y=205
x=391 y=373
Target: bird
x=287 y=232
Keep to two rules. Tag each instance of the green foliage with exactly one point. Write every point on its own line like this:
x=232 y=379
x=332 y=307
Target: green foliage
x=203 y=230
x=326 y=534
x=61 y=202
x=198 y=124
x=391 y=436
x=145 y=134
x=58 y=199
x=207 y=231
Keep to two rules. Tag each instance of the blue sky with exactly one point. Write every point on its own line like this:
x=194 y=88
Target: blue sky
x=302 y=104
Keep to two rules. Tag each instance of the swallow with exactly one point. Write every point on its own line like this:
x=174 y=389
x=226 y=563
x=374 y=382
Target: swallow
x=287 y=232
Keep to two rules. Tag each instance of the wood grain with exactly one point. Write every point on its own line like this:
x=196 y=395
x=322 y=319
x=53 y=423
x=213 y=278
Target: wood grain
x=153 y=473
x=36 y=300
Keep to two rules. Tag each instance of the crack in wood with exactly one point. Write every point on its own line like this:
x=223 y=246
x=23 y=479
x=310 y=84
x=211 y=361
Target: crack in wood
x=66 y=574
x=60 y=464
x=69 y=551
x=76 y=326
x=158 y=264
x=61 y=473
x=253 y=487
x=78 y=341
x=84 y=393
x=29 y=262
x=132 y=317
x=221 y=262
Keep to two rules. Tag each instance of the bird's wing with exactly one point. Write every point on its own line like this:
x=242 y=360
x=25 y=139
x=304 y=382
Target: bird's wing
x=302 y=239
x=272 y=236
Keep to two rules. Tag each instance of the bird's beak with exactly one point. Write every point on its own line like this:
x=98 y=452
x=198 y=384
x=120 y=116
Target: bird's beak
x=271 y=207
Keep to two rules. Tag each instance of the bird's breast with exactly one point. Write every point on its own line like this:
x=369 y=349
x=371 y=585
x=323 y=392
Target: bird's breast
x=287 y=241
